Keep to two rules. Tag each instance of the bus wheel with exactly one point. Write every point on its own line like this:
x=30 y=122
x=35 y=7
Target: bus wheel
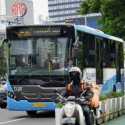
x=31 y=113
x=3 y=106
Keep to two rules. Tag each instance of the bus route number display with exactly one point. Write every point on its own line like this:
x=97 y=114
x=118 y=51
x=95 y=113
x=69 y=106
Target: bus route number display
x=43 y=31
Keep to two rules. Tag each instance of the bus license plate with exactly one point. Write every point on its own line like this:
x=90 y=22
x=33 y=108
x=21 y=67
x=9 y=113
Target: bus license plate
x=39 y=104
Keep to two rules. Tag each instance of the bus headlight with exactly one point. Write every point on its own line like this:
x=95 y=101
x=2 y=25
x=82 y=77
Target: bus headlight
x=69 y=109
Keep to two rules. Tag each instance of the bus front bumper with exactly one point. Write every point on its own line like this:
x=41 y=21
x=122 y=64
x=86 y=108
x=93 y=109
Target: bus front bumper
x=24 y=105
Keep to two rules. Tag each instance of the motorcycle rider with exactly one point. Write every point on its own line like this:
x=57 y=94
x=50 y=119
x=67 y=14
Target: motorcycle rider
x=77 y=86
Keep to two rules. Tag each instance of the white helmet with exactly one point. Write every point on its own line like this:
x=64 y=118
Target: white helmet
x=75 y=69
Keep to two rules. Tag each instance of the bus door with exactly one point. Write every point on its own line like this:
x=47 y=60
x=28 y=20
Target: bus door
x=109 y=66
x=85 y=58
x=99 y=58
x=119 y=67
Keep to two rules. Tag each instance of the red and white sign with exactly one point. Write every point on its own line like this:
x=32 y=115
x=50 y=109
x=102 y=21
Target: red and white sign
x=19 y=9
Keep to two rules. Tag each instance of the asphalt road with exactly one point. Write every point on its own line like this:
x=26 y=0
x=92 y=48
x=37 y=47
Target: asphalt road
x=21 y=118
x=117 y=121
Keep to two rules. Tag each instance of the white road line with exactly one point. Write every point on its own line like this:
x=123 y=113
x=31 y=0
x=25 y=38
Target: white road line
x=1 y=123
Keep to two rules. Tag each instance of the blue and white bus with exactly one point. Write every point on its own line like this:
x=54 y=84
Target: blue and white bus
x=40 y=56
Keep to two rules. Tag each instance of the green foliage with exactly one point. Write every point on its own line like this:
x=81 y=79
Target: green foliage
x=103 y=97
x=90 y=6
x=113 y=14
x=59 y=105
x=2 y=62
x=111 y=95
x=115 y=94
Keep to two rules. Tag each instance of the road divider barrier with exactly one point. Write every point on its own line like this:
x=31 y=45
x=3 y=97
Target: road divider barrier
x=110 y=109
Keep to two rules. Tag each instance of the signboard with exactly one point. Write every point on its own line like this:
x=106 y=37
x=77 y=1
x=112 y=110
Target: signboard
x=21 y=11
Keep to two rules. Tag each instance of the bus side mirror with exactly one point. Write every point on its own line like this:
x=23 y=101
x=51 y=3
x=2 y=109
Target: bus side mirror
x=3 y=41
x=76 y=44
x=75 y=52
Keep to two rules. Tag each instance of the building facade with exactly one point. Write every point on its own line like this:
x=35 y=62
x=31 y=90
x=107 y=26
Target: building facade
x=91 y=20
x=2 y=7
x=59 y=10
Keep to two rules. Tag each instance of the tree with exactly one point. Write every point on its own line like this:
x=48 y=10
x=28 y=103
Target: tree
x=90 y=6
x=2 y=62
x=113 y=14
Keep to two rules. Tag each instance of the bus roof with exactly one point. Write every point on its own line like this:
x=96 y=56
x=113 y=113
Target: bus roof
x=51 y=25
x=83 y=28
x=97 y=32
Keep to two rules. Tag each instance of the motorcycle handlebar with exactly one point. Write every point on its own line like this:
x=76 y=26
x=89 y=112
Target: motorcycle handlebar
x=80 y=100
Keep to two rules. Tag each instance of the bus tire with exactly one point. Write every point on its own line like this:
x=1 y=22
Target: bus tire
x=31 y=113
x=3 y=105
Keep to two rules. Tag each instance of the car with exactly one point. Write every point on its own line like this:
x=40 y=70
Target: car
x=3 y=94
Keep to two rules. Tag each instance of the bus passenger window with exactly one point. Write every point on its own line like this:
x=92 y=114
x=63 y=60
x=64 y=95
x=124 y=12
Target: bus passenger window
x=109 y=54
x=77 y=52
x=89 y=51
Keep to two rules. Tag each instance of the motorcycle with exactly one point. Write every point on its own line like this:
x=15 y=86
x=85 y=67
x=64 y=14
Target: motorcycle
x=69 y=110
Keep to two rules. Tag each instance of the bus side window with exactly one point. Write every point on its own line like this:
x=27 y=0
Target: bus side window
x=109 y=54
x=86 y=51
x=89 y=49
x=99 y=56
x=119 y=61
x=78 y=54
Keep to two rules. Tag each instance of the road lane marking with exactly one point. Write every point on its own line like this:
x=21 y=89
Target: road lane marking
x=1 y=123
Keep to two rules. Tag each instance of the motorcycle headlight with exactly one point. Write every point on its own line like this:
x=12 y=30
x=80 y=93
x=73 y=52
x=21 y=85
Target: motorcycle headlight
x=69 y=109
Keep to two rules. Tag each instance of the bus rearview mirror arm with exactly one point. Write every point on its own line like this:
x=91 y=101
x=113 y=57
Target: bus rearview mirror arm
x=76 y=42
x=3 y=41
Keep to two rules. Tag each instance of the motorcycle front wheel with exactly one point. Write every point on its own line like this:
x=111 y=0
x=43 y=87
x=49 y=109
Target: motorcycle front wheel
x=93 y=122
x=72 y=124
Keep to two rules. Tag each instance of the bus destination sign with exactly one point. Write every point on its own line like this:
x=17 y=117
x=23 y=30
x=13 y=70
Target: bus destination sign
x=37 y=32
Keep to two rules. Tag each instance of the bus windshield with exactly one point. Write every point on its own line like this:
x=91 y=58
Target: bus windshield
x=38 y=56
